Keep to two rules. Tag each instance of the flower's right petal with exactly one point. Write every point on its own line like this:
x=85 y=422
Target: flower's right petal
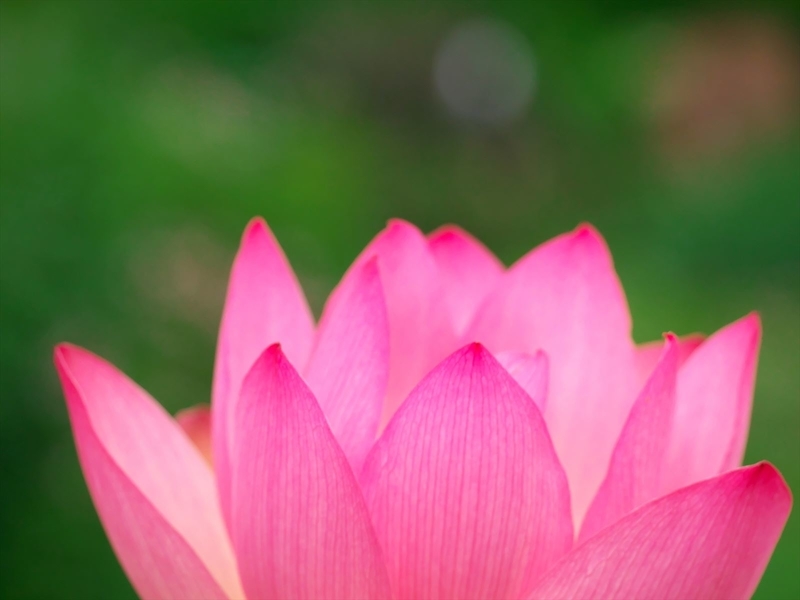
x=469 y=271
x=713 y=404
x=300 y=526
x=648 y=355
x=196 y=424
x=154 y=493
x=709 y=540
x=634 y=475
x=564 y=297
x=349 y=366
x=466 y=494
x=264 y=305
x=530 y=371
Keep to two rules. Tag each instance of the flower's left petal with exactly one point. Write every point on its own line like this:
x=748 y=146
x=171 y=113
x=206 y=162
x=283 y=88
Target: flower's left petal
x=710 y=540
x=714 y=400
x=349 y=366
x=648 y=355
x=564 y=297
x=152 y=489
x=300 y=526
x=469 y=271
x=634 y=475
x=464 y=487
x=530 y=371
x=264 y=305
x=196 y=424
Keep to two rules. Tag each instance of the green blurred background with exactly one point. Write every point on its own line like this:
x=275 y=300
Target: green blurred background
x=137 y=139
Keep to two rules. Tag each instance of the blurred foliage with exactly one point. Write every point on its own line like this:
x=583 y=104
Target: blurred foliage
x=137 y=139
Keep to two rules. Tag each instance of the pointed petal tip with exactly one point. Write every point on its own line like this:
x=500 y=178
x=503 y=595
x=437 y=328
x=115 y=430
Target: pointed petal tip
x=68 y=357
x=474 y=349
x=446 y=231
x=766 y=472
x=63 y=351
x=451 y=233
x=753 y=321
x=397 y=225
x=60 y=351
x=274 y=351
x=255 y=226
x=586 y=232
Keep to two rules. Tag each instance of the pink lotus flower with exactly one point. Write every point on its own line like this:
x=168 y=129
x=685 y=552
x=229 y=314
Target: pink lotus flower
x=450 y=429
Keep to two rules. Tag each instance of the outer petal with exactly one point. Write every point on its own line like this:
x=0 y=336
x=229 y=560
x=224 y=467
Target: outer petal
x=530 y=371
x=464 y=487
x=264 y=305
x=635 y=473
x=419 y=323
x=152 y=489
x=710 y=540
x=715 y=396
x=648 y=355
x=300 y=527
x=565 y=298
x=349 y=367
x=196 y=424
x=469 y=271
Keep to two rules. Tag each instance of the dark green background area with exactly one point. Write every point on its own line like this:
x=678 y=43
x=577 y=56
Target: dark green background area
x=137 y=138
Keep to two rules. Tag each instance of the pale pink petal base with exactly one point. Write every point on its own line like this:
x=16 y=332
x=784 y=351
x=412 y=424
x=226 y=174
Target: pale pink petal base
x=300 y=525
x=464 y=488
x=196 y=424
x=711 y=540
x=153 y=490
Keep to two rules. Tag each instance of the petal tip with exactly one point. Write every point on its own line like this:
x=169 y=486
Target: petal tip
x=398 y=230
x=447 y=233
x=255 y=227
x=66 y=355
x=60 y=352
x=586 y=232
x=274 y=350
x=768 y=474
x=476 y=353
x=587 y=239
x=753 y=321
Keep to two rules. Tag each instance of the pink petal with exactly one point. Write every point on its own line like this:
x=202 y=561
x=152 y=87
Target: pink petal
x=529 y=371
x=264 y=305
x=635 y=473
x=154 y=493
x=196 y=424
x=710 y=540
x=465 y=491
x=712 y=411
x=648 y=355
x=564 y=297
x=349 y=367
x=300 y=528
x=419 y=320
x=469 y=271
